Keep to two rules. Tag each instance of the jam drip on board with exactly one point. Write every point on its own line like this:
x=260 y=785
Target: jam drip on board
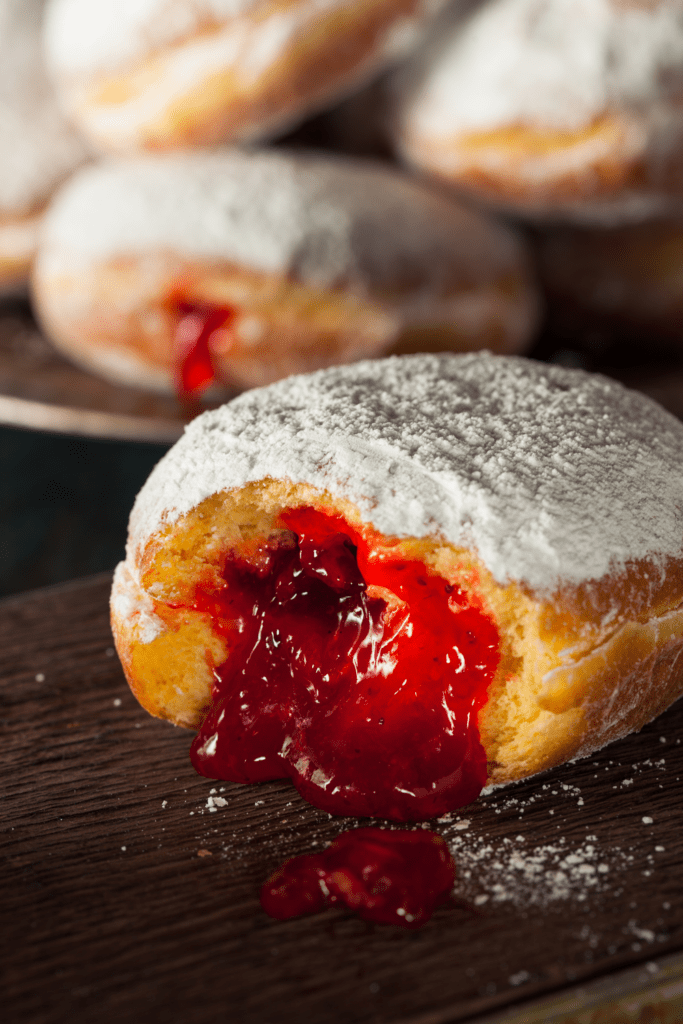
x=192 y=344
x=358 y=677
x=388 y=877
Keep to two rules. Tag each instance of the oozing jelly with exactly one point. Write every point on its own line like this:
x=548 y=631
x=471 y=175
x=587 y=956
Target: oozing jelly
x=388 y=877
x=192 y=344
x=359 y=677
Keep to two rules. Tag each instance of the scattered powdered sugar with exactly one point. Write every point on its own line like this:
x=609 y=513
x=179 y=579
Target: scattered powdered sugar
x=646 y=934
x=517 y=869
x=587 y=868
x=39 y=148
x=326 y=221
x=519 y=978
x=546 y=63
x=213 y=803
x=513 y=870
x=552 y=475
x=563 y=790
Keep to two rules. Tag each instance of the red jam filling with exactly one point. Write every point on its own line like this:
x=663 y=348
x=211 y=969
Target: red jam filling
x=192 y=354
x=388 y=877
x=358 y=677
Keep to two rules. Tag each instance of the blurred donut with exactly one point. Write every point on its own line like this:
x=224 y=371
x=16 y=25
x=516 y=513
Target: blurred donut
x=170 y=271
x=553 y=108
x=159 y=74
x=38 y=148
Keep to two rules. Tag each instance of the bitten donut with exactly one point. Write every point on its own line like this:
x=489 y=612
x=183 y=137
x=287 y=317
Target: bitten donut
x=161 y=74
x=626 y=280
x=398 y=581
x=553 y=108
x=250 y=266
x=38 y=148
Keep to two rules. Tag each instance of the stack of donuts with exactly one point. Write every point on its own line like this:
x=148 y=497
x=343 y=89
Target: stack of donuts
x=214 y=194
x=194 y=250
x=566 y=114
x=397 y=581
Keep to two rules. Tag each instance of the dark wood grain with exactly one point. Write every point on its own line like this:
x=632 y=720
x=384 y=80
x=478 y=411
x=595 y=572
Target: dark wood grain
x=123 y=897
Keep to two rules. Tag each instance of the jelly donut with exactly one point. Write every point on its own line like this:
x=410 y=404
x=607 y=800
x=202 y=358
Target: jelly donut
x=398 y=581
x=553 y=108
x=625 y=280
x=38 y=148
x=251 y=266
x=162 y=74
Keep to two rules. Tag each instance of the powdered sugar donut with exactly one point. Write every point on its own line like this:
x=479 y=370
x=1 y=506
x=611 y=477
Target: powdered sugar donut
x=159 y=74
x=554 y=108
x=251 y=266
x=451 y=570
x=38 y=148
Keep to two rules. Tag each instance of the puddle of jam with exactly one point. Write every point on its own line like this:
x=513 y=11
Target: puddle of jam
x=192 y=350
x=388 y=877
x=358 y=678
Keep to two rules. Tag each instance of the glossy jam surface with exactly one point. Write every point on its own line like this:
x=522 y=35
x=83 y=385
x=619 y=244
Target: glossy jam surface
x=388 y=877
x=192 y=355
x=358 y=676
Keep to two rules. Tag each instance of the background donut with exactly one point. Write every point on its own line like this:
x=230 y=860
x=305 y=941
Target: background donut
x=159 y=74
x=314 y=260
x=39 y=149
x=564 y=109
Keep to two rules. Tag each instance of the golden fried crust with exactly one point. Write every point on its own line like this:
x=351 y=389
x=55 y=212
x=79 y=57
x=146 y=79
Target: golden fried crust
x=118 y=318
x=546 y=173
x=18 y=246
x=576 y=671
x=518 y=160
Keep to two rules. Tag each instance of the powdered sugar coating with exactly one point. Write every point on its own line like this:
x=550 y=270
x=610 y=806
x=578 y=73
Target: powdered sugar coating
x=550 y=64
x=321 y=220
x=86 y=38
x=554 y=476
x=130 y=603
x=38 y=147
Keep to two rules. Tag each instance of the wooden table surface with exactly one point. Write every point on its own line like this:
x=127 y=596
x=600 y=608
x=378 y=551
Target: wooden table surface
x=129 y=885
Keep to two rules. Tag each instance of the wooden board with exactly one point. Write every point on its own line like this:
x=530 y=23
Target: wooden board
x=129 y=892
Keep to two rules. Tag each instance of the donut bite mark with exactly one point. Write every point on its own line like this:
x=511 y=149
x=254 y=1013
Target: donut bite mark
x=161 y=75
x=565 y=109
x=400 y=581
x=295 y=262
